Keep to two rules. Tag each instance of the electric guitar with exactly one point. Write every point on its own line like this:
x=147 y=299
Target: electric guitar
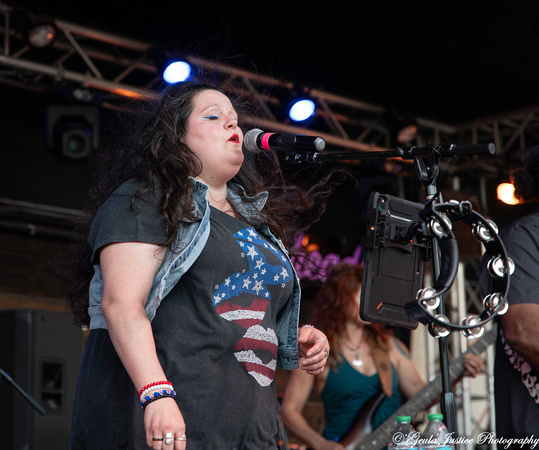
x=362 y=437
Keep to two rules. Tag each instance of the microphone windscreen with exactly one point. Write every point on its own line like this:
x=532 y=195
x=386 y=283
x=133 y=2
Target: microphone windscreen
x=249 y=140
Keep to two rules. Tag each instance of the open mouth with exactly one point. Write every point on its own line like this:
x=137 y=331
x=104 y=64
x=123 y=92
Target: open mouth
x=234 y=138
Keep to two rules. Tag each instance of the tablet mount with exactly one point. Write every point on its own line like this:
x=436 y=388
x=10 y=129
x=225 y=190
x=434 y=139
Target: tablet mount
x=430 y=231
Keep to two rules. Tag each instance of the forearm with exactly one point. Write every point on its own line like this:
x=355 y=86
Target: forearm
x=128 y=272
x=519 y=326
x=297 y=393
x=131 y=334
x=526 y=344
x=297 y=424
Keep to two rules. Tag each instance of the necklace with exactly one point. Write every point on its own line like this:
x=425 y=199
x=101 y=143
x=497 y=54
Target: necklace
x=356 y=362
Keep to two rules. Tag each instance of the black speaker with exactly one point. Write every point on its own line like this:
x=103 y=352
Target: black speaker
x=41 y=351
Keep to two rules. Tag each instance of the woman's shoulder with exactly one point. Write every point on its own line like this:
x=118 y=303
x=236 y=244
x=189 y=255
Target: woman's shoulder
x=129 y=213
x=398 y=350
x=135 y=187
x=129 y=187
x=131 y=195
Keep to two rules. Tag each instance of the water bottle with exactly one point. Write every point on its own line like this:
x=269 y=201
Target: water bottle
x=436 y=435
x=403 y=436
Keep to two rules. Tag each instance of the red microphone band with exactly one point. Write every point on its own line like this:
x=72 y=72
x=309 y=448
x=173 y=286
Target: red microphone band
x=264 y=141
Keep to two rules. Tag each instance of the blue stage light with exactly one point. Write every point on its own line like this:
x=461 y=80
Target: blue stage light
x=302 y=110
x=177 y=72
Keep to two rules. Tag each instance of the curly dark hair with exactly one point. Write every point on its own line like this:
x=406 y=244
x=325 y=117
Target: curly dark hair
x=526 y=180
x=334 y=305
x=153 y=153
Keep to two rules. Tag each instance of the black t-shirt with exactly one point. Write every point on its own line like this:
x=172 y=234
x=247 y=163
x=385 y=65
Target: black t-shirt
x=516 y=411
x=120 y=219
x=215 y=333
x=216 y=339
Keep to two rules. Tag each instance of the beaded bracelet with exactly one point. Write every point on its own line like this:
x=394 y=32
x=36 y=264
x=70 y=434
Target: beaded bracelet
x=156 y=396
x=158 y=387
x=156 y=383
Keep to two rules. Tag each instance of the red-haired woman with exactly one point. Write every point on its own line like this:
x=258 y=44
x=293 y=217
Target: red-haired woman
x=365 y=360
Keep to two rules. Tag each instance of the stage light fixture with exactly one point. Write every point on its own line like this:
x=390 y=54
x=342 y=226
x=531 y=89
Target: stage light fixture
x=176 y=72
x=42 y=35
x=506 y=193
x=407 y=133
x=73 y=131
x=301 y=110
x=402 y=127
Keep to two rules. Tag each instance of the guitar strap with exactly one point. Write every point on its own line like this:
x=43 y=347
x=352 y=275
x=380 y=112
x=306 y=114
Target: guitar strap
x=383 y=367
x=527 y=374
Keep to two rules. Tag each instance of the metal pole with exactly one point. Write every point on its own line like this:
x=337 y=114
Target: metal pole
x=460 y=291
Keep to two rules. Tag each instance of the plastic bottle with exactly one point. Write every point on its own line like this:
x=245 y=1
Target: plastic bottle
x=436 y=435
x=403 y=436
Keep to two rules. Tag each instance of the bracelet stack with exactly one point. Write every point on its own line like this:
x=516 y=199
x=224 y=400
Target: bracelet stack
x=155 y=391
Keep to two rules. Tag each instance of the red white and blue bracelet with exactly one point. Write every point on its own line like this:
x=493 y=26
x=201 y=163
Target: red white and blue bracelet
x=155 y=391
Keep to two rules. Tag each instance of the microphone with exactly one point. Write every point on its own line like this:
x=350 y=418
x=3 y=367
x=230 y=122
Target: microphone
x=256 y=140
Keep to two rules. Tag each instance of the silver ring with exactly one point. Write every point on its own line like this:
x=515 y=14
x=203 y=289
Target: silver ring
x=183 y=438
x=326 y=351
x=169 y=438
x=322 y=339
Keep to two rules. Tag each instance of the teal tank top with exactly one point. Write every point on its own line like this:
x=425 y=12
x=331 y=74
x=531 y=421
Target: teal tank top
x=344 y=394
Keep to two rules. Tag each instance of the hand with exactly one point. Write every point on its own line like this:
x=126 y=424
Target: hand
x=314 y=347
x=163 y=417
x=473 y=365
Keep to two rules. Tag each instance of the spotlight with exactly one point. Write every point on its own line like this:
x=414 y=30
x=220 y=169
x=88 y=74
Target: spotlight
x=301 y=110
x=42 y=35
x=73 y=131
x=407 y=133
x=402 y=127
x=506 y=193
x=177 y=72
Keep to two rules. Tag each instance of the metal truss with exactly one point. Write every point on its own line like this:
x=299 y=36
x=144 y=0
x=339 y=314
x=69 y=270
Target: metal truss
x=93 y=65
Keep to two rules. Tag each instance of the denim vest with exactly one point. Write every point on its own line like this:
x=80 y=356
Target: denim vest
x=187 y=246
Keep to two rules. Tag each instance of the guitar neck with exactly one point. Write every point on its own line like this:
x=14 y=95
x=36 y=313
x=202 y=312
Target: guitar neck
x=379 y=438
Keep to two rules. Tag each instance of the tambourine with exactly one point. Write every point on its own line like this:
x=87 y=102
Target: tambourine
x=435 y=224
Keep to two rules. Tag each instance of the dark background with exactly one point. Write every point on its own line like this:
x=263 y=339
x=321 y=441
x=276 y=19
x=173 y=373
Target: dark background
x=449 y=61
x=452 y=62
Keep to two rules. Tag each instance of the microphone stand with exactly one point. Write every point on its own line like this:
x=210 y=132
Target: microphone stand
x=405 y=152
x=427 y=169
x=21 y=391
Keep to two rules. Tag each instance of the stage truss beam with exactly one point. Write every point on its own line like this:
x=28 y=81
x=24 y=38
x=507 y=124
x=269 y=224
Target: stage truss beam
x=100 y=65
